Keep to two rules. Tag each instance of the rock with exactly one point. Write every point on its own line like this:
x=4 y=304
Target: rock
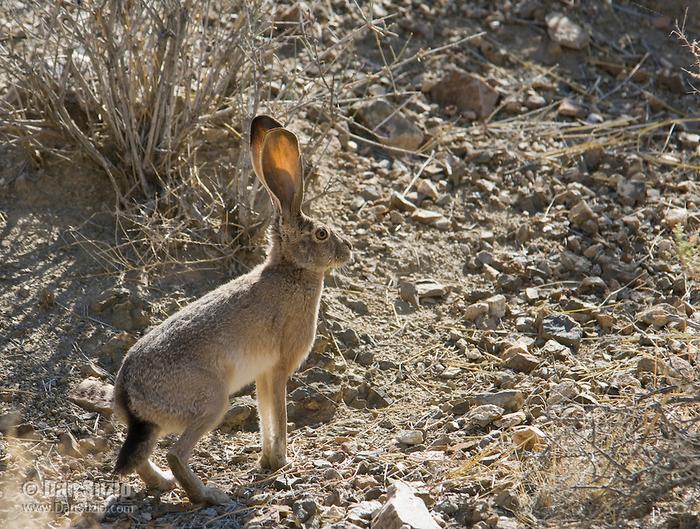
x=390 y=126
x=114 y=350
x=67 y=445
x=509 y=400
x=564 y=31
x=362 y=512
x=528 y=437
x=476 y=310
x=93 y=394
x=93 y=445
x=400 y=202
x=563 y=329
x=675 y=217
x=465 y=91
x=535 y=101
x=571 y=109
x=555 y=350
x=431 y=218
x=688 y=140
x=242 y=410
x=580 y=213
x=510 y=420
x=9 y=422
x=123 y=308
x=484 y=415
x=314 y=402
x=427 y=188
x=518 y=359
x=450 y=373
x=497 y=306
x=410 y=437
x=377 y=398
x=592 y=285
x=421 y=289
x=403 y=510
x=565 y=391
x=660 y=315
x=631 y=191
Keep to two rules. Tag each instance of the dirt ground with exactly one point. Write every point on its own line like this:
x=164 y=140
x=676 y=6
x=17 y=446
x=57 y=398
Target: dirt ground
x=516 y=337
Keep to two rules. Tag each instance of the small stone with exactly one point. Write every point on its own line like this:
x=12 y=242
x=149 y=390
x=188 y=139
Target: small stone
x=476 y=310
x=518 y=359
x=535 y=101
x=563 y=329
x=390 y=126
x=93 y=445
x=532 y=294
x=313 y=402
x=689 y=140
x=631 y=191
x=93 y=394
x=484 y=415
x=528 y=437
x=675 y=217
x=428 y=217
x=450 y=373
x=9 y=422
x=469 y=93
x=410 y=437
x=497 y=306
x=510 y=420
x=659 y=315
x=400 y=202
x=580 y=213
x=362 y=512
x=404 y=510
x=571 y=109
x=240 y=411
x=427 y=188
x=68 y=445
x=592 y=285
x=509 y=400
x=565 y=32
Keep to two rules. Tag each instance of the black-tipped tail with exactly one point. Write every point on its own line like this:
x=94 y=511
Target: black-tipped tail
x=140 y=439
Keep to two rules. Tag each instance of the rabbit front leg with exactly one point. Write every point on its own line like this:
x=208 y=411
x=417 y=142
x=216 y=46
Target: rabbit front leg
x=272 y=407
x=264 y=398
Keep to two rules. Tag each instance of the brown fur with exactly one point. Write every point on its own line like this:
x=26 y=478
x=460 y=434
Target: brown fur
x=260 y=326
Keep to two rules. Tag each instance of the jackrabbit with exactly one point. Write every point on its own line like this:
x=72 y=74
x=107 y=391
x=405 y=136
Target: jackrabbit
x=178 y=377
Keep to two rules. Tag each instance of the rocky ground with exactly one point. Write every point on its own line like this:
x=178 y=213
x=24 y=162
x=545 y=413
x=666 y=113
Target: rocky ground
x=514 y=345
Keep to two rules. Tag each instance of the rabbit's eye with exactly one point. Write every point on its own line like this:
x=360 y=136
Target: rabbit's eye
x=321 y=234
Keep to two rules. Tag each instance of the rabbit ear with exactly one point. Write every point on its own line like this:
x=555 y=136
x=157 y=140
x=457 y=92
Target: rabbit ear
x=282 y=170
x=259 y=128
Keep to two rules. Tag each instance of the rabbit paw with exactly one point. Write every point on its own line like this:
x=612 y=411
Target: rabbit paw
x=212 y=496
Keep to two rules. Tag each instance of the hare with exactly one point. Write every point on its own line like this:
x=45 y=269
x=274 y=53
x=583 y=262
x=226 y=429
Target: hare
x=258 y=327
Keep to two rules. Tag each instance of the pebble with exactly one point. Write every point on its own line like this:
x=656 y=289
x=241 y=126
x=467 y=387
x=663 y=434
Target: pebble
x=403 y=509
x=563 y=329
x=427 y=188
x=528 y=437
x=400 y=202
x=484 y=415
x=410 y=437
x=675 y=217
x=572 y=109
x=518 y=359
x=390 y=126
x=93 y=394
x=468 y=92
x=476 y=310
x=567 y=33
x=509 y=400
x=68 y=445
x=497 y=306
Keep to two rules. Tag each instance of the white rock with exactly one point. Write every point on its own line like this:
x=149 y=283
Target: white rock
x=566 y=32
x=403 y=510
x=410 y=437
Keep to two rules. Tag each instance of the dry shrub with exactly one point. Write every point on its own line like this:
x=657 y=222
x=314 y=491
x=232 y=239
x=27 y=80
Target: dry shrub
x=616 y=464
x=158 y=95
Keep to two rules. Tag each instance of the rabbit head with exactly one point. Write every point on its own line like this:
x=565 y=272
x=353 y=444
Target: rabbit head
x=294 y=237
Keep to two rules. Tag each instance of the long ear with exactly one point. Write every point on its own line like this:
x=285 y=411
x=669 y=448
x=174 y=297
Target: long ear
x=259 y=128
x=282 y=170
